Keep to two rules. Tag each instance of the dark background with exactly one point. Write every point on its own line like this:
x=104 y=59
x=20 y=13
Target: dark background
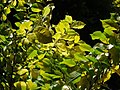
x=88 y=11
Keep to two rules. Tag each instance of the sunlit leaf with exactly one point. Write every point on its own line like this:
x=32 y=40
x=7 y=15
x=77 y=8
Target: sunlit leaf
x=107 y=76
x=68 y=19
x=14 y=3
x=33 y=54
x=35 y=9
x=78 y=25
x=7 y=10
x=46 y=11
x=17 y=24
x=57 y=36
x=100 y=35
x=77 y=38
x=23 y=85
x=4 y=17
x=31 y=85
x=41 y=56
x=85 y=47
x=22 y=71
x=68 y=62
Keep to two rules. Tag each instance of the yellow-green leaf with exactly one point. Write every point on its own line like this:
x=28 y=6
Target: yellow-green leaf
x=41 y=56
x=68 y=19
x=7 y=10
x=46 y=11
x=22 y=71
x=85 y=47
x=68 y=62
x=57 y=36
x=31 y=85
x=23 y=85
x=79 y=57
x=4 y=17
x=78 y=25
x=77 y=38
x=33 y=54
x=14 y=3
x=17 y=24
x=35 y=9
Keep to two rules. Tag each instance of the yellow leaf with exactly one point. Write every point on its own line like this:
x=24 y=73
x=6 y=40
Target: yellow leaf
x=41 y=56
x=77 y=38
x=23 y=85
x=22 y=71
x=107 y=76
x=4 y=17
x=35 y=9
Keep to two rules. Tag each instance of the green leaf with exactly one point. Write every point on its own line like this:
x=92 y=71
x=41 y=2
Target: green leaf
x=68 y=62
x=99 y=35
x=33 y=54
x=76 y=80
x=2 y=38
x=85 y=47
x=17 y=24
x=46 y=87
x=46 y=11
x=35 y=9
x=93 y=59
x=79 y=57
x=108 y=23
x=109 y=32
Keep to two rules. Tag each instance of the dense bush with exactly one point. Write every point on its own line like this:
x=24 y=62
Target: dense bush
x=37 y=55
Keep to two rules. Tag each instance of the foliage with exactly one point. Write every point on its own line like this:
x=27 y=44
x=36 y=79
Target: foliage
x=38 y=56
